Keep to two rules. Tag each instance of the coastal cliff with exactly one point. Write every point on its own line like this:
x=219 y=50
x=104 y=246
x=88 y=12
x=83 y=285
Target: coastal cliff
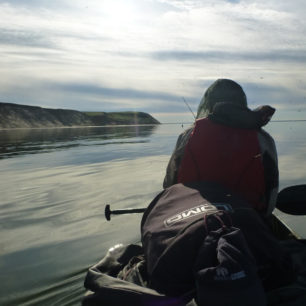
x=25 y=116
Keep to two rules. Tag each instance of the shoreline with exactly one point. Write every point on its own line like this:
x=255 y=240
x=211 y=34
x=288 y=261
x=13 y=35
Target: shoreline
x=80 y=126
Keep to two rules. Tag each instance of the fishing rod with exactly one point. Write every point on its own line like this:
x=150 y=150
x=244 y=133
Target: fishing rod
x=189 y=108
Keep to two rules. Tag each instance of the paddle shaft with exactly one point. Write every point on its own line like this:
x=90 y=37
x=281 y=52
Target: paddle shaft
x=109 y=212
x=290 y=200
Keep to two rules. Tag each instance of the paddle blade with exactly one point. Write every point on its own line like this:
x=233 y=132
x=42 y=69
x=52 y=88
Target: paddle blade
x=107 y=212
x=292 y=200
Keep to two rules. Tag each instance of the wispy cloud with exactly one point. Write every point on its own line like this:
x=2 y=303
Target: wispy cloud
x=24 y=38
x=126 y=93
x=216 y=55
x=279 y=96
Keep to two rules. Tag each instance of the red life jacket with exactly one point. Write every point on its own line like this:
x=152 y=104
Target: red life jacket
x=226 y=155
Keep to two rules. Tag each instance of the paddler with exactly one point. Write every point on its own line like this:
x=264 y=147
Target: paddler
x=227 y=145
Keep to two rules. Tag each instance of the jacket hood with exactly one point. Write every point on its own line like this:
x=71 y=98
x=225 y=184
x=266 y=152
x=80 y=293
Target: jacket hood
x=220 y=91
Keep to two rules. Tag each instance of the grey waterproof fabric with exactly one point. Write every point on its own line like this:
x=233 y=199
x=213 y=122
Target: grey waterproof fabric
x=119 y=279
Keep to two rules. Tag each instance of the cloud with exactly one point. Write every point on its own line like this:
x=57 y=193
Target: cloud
x=108 y=99
x=216 y=55
x=47 y=39
x=38 y=4
x=115 y=92
x=92 y=97
x=279 y=96
x=24 y=38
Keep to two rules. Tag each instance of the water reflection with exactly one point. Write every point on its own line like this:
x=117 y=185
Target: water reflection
x=52 y=204
x=31 y=141
x=291 y=149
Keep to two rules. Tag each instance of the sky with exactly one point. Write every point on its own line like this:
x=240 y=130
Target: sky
x=149 y=55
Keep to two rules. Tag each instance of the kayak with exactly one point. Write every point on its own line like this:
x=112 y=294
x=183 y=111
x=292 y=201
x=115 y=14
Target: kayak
x=120 y=278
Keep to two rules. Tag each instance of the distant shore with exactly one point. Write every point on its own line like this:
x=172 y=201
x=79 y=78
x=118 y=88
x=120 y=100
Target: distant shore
x=13 y=116
x=81 y=126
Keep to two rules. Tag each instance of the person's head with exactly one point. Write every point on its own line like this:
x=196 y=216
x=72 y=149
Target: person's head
x=222 y=90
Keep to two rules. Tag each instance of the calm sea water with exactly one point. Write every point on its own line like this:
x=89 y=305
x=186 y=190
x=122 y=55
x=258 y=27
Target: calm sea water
x=54 y=187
